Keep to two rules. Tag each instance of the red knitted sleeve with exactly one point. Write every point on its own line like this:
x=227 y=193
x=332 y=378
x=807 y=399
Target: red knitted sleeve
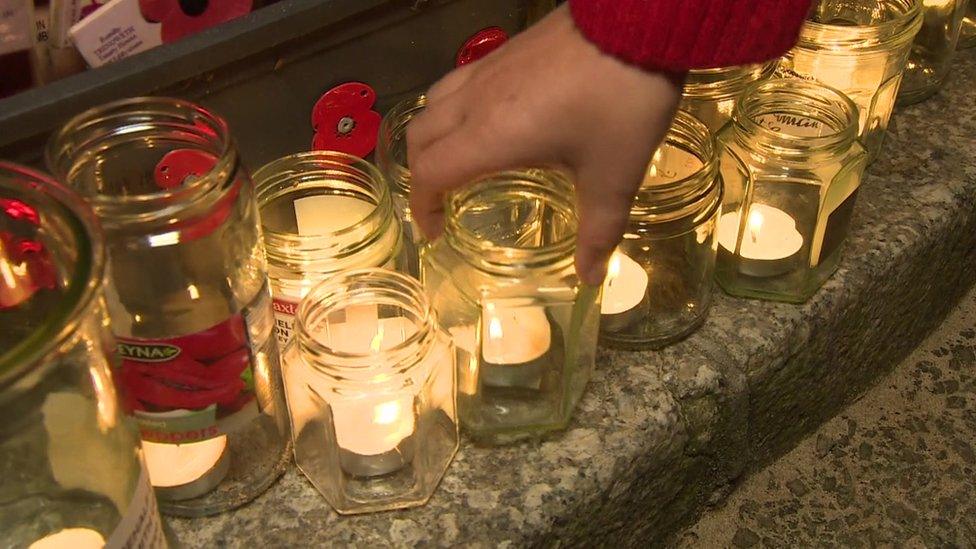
x=679 y=35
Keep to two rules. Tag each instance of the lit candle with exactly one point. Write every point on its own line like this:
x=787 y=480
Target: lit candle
x=624 y=293
x=329 y=213
x=71 y=538
x=183 y=471
x=671 y=163
x=770 y=242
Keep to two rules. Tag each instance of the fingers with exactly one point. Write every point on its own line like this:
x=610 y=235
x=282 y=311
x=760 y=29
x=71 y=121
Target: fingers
x=604 y=209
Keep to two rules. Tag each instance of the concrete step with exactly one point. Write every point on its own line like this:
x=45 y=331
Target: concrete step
x=660 y=435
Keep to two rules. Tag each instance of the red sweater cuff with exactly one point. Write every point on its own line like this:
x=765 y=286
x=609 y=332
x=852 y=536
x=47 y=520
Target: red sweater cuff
x=679 y=35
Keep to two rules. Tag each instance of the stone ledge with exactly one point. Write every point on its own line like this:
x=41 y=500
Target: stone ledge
x=660 y=435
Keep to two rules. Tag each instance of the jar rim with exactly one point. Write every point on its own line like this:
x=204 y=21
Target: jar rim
x=724 y=81
x=863 y=38
x=83 y=282
x=393 y=131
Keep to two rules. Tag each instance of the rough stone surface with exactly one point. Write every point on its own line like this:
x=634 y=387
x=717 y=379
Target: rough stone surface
x=661 y=435
x=898 y=472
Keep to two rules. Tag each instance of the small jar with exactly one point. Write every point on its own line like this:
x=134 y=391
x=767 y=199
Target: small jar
x=967 y=36
x=370 y=382
x=391 y=157
x=860 y=48
x=188 y=296
x=72 y=472
x=503 y=284
x=710 y=94
x=322 y=213
x=659 y=282
x=792 y=165
x=932 y=51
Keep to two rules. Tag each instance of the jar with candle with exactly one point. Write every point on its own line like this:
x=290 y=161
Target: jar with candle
x=932 y=51
x=370 y=383
x=710 y=94
x=503 y=284
x=322 y=212
x=792 y=165
x=659 y=282
x=391 y=157
x=859 y=47
x=187 y=294
x=72 y=472
x=967 y=36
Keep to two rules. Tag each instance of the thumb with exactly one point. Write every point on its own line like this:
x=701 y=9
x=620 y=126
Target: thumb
x=604 y=209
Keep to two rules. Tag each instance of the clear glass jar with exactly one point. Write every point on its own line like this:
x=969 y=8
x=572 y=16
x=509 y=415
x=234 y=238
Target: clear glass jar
x=370 y=381
x=792 y=165
x=322 y=213
x=391 y=157
x=70 y=462
x=932 y=51
x=710 y=94
x=967 y=35
x=659 y=282
x=503 y=284
x=860 y=48
x=188 y=296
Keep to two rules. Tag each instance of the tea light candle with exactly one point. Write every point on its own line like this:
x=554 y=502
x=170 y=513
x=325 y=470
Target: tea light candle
x=329 y=213
x=71 y=538
x=770 y=242
x=183 y=471
x=624 y=293
x=671 y=163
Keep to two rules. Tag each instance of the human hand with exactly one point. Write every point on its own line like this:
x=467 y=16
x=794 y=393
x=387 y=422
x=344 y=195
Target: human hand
x=548 y=97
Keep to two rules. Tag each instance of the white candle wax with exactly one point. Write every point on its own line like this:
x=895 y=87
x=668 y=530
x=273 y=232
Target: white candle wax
x=71 y=538
x=514 y=335
x=625 y=286
x=671 y=163
x=769 y=242
x=329 y=213
x=172 y=465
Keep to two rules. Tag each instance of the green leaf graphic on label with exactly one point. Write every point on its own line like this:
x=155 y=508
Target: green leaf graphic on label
x=148 y=352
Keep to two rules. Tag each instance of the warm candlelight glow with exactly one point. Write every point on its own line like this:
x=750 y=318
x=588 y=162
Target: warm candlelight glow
x=755 y=224
x=625 y=286
x=179 y=464
x=377 y=343
x=515 y=335
x=324 y=214
x=769 y=243
x=71 y=538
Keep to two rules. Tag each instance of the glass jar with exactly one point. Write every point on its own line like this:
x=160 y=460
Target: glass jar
x=967 y=36
x=188 y=296
x=322 y=213
x=659 y=282
x=860 y=48
x=503 y=284
x=70 y=463
x=710 y=94
x=391 y=157
x=370 y=381
x=932 y=51
x=792 y=165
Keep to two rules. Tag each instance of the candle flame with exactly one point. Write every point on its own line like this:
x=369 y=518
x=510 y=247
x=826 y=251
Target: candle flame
x=376 y=344
x=657 y=156
x=613 y=269
x=755 y=224
x=386 y=413
x=495 y=328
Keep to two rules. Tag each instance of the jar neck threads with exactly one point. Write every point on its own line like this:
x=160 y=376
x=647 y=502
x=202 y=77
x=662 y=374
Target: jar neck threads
x=391 y=151
x=724 y=82
x=514 y=221
x=861 y=26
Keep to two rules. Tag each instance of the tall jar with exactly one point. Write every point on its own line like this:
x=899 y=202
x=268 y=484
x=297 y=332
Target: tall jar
x=859 y=47
x=659 y=282
x=391 y=157
x=72 y=472
x=188 y=296
x=792 y=166
x=710 y=94
x=322 y=213
x=967 y=36
x=932 y=51
x=503 y=284
x=370 y=381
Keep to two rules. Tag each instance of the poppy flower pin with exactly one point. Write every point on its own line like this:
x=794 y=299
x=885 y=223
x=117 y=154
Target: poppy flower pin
x=181 y=18
x=344 y=120
x=480 y=44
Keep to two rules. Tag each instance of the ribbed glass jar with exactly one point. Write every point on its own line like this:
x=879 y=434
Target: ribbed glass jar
x=967 y=35
x=659 y=282
x=710 y=94
x=931 y=54
x=188 y=296
x=503 y=284
x=859 y=47
x=322 y=213
x=792 y=165
x=391 y=157
x=72 y=472
x=370 y=381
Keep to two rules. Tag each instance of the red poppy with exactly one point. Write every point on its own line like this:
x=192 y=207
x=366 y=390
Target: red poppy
x=180 y=19
x=481 y=44
x=344 y=121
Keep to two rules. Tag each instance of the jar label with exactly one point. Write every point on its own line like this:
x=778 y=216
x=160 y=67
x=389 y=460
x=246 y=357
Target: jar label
x=140 y=526
x=190 y=388
x=791 y=124
x=284 y=313
x=16 y=25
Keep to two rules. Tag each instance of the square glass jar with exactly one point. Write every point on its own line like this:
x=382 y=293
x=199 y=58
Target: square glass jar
x=932 y=50
x=967 y=35
x=710 y=94
x=503 y=284
x=792 y=166
x=371 y=392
